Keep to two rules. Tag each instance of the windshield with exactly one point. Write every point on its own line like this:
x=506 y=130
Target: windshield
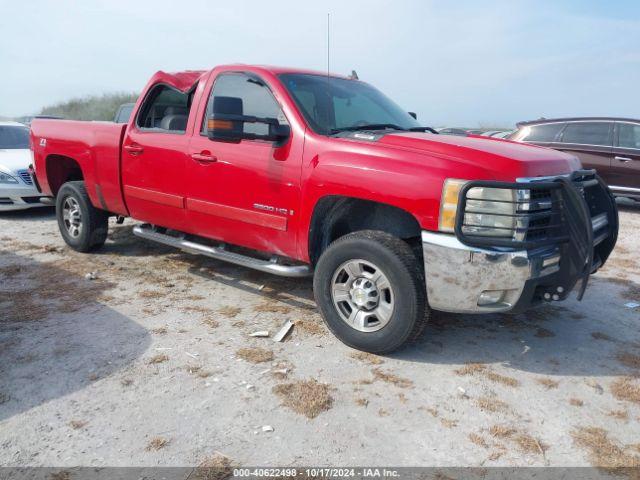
x=333 y=104
x=14 y=137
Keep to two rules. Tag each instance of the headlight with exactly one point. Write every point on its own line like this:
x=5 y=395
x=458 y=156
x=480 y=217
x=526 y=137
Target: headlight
x=6 y=178
x=488 y=212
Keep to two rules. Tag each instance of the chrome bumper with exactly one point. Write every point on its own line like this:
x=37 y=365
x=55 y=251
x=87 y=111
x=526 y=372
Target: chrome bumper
x=466 y=279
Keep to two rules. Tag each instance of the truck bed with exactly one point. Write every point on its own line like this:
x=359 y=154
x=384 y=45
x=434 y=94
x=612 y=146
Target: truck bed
x=94 y=146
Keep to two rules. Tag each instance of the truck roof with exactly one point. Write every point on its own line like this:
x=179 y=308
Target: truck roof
x=184 y=80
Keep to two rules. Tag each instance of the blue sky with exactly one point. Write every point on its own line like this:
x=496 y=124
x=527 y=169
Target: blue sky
x=455 y=63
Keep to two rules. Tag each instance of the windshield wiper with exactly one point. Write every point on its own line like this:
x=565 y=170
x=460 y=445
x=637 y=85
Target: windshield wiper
x=372 y=126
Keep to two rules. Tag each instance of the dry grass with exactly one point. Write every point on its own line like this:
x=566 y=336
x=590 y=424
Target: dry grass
x=214 y=467
x=544 y=333
x=361 y=402
x=272 y=307
x=601 y=450
x=478 y=440
x=126 y=382
x=601 y=336
x=576 y=402
x=383 y=413
x=447 y=423
x=61 y=475
x=528 y=444
x=151 y=294
x=547 y=383
x=501 y=431
x=630 y=360
x=160 y=358
x=310 y=327
x=210 y=322
x=308 y=398
x=491 y=404
x=156 y=443
x=77 y=424
x=366 y=357
x=619 y=414
x=229 y=312
x=198 y=371
x=484 y=370
x=626 y=389
x=471 y=369
x=160 y=330
x=502 y=379
x=255 y=354
x=391 y=378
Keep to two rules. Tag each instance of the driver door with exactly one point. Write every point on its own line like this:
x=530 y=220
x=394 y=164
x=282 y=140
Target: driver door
x=244 y=193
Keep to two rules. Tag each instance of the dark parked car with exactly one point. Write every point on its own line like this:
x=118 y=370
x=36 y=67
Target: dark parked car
x=610 y=145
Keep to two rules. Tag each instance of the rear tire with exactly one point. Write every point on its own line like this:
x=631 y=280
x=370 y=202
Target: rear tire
x=370 y=289
x=82 y=226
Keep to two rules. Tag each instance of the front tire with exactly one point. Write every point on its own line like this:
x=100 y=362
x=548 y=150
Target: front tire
x=370 y=289
x=82 y=226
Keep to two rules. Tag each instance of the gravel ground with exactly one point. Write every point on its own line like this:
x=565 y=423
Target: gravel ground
x=152 y=363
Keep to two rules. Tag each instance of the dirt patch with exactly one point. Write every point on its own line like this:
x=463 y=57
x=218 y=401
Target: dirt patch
x=626 y=389
x=366 y=357
x=160 y=358
x=156 y=443
x=77 y=424
x=602 y=451
x=255 y=354
x=308 y=398
x=547 y=383
x=391 y=378
x=272 y=307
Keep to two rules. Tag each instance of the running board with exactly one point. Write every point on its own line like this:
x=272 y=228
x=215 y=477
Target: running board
x=148 y=232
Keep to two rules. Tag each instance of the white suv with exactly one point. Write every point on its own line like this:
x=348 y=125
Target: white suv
x=17 y=190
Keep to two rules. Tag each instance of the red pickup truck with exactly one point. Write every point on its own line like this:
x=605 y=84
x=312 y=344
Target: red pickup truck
x=297 y=173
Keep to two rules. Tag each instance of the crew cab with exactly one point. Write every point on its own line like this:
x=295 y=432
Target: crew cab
x=301 y=173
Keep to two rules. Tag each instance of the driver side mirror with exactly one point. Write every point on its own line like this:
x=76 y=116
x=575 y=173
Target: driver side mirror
x=226 y=124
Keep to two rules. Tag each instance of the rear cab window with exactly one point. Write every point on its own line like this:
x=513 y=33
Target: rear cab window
x=165 y=110
x=588 y=133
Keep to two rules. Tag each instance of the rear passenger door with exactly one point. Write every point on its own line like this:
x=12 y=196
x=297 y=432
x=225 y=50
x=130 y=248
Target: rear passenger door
x=154 y=157
x=625 y=166
x=591 y=142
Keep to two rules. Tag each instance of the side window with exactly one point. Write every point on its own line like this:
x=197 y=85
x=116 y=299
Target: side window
x=255 y=100
x=629 y=135
x=542 y=133
x=165 y=110
x=588 y=133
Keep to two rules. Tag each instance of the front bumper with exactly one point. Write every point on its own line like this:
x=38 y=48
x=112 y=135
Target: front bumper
x=564 y=231
x=465 y=279
x=19 y=197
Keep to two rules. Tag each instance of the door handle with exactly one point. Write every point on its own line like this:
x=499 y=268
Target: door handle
x=204 y=157
x=622 y=159
x=134 y=149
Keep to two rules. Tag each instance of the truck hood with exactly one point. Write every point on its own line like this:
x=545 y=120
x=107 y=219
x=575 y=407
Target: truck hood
x=12 y=160
x=502 y=159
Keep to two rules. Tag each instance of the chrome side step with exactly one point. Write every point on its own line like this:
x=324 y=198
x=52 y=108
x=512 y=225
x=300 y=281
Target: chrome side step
x=273 y=266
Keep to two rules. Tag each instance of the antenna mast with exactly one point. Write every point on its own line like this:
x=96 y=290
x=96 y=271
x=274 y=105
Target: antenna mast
x=328 y=44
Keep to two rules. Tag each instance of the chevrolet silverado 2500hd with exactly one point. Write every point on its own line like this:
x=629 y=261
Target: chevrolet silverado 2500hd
x=297 y=173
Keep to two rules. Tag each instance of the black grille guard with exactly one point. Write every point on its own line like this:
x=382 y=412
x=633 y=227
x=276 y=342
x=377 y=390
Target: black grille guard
x=570 y=227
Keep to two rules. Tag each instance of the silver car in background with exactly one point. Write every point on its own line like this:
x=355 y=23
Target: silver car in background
x=17 y=190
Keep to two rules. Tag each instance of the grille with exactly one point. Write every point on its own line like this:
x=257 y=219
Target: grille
x=25 y=176
x=541 y=214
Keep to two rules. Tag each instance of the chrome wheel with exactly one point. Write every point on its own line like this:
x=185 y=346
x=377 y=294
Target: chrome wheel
x=72 y=216
x=363 y=295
